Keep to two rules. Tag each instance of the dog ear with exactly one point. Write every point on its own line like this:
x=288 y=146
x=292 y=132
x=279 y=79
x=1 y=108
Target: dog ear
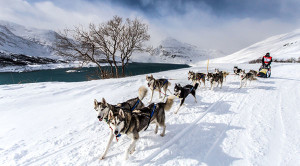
x=103 y=101
x=121 y=113
x=151 y=76
x=110 y=115
x=95 y=102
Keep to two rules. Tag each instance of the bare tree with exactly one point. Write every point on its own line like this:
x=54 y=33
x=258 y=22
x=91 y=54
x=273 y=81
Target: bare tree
x=113 y=40
x=133 y=37
x=76 y=44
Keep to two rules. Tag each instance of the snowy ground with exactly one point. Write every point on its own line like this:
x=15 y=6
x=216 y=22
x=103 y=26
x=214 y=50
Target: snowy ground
x=55 y=124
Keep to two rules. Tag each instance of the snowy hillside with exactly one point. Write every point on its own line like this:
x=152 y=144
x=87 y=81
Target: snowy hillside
x=283 y=46
x=171 y=50
x=55 y=123
x=17 y=39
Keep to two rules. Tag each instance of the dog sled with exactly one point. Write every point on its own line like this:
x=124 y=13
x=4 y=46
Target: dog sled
x=264 y=71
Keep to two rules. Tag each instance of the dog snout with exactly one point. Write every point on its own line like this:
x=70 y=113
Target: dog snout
x=116 y=132
x=99 y=117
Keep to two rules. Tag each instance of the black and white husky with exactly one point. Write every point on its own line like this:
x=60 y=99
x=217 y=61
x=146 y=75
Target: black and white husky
x=236 y=70
x=183 y=92
x=132 y=123
x=215 y=78
x=157 y=84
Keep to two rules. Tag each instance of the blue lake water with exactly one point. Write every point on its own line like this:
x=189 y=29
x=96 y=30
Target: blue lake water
x=77 y=75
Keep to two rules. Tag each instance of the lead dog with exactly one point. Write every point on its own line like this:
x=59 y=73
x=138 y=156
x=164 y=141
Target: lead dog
x=103 y=107
x=183 y=92
x=132 y=123
x=157 y=84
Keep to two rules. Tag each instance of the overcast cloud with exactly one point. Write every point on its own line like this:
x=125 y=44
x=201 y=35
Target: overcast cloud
x=227 y=25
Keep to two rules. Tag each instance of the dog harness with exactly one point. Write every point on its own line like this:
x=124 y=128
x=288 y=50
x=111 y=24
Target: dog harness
x=200 y=77
x=151 y=115
x=191 y=89
x=137 y=102
x=165 y=82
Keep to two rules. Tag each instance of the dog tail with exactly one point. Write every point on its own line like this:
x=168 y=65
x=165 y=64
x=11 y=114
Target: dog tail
x=196 y=86
x=142 y=92
x=169 y=102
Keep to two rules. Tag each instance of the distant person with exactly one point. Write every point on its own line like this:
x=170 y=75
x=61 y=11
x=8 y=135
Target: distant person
x=265 y=69
x=266 y=61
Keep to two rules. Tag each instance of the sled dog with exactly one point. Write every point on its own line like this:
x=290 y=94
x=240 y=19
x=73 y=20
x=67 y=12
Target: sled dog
x=132 y=123
x=196 y=77
x=157 y=84
x=183 y=92
x=102 y=108
x=225 y=74
x=253 y=72
x=215 y=78
x=236 y=70
x=245 y=77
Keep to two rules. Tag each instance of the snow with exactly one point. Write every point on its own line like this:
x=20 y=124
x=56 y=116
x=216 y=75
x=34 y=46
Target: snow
x=284 y=46
x=55 y=123
x=17 y=39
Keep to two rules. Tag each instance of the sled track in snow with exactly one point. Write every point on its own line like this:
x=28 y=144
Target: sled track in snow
x=180 y=134
x=224 y=130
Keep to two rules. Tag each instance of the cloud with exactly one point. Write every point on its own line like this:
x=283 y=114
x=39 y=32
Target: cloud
x=227 y=25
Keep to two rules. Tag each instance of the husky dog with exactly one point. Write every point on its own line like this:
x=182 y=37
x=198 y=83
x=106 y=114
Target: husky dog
x=131 y=123
x=157 y=84
x=217 y=70
x=183 y=92
x=103 y=107
x=196 y=77
x=225 y=74
x=253 y=72
x=246 y=76
x=236 y=70
x=215 y=78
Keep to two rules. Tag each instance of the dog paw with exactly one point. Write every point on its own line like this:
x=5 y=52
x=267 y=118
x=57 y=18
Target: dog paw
x=133 y=150
x=162 y=134
x=126 y=158
x=101 y=158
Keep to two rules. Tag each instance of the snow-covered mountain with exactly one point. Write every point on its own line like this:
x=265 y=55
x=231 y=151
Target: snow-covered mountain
x=284 y=46
x=171 y=50
x=18 y=39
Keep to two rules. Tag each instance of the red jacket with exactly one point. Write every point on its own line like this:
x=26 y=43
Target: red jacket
x=267 y=60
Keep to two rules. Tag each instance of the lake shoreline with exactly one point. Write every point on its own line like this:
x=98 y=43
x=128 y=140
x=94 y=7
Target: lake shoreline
x=72 y=74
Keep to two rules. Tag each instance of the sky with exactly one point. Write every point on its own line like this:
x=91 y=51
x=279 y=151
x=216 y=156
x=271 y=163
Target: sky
x=225 y=25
